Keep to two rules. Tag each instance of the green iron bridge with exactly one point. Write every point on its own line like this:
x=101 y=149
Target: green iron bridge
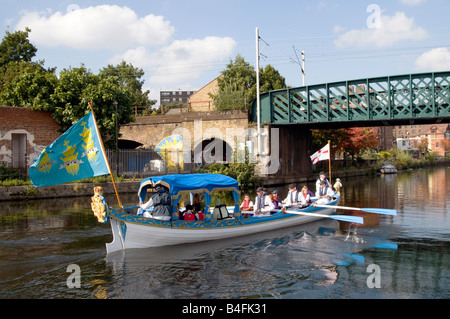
x=392 y=100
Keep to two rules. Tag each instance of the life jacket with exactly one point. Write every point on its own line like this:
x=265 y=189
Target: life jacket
x=305 y=196
x=261 y=201
x=201 y=216
x=324 y=192
x=245 y=204
x=294 y=200
x=189 y=216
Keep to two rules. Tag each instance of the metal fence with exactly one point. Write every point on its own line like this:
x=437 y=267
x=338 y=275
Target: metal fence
x=145 y=162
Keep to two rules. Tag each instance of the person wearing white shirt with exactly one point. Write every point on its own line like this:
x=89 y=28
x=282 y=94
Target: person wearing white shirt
x=322 y=177
x=305 y=198
x=263 y=204
x=293 y=197
x=324 y=194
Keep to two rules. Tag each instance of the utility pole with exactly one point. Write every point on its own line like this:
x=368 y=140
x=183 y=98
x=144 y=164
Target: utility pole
x=302 y=65
x=258 y=99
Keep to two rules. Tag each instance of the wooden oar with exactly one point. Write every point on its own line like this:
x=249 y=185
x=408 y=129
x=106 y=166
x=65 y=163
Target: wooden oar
x=382 y=211
x=343 y=218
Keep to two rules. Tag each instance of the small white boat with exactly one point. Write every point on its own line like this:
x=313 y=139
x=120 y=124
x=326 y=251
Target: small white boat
x=388 y=169
x=133 y=231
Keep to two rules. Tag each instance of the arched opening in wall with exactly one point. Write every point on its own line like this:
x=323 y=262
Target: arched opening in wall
x=211 y=151
x=128 y=144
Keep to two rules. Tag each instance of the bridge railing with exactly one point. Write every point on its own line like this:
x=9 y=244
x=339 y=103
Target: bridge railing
x=409 y=96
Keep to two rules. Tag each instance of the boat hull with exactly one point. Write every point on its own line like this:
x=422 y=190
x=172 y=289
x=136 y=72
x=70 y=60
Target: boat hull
x=131 y=231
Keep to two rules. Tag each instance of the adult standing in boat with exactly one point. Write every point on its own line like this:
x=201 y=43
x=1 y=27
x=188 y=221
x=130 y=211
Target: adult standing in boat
x=161 y=202
x=325 y=193
x=322 y=177
x=263 y=204
x=293 y=196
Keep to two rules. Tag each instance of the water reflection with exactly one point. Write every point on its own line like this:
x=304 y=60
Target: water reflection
x=40 y=239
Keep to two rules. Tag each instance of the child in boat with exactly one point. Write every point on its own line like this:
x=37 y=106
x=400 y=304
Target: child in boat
x=247 y=204
x=189 y=213
x=305 y=198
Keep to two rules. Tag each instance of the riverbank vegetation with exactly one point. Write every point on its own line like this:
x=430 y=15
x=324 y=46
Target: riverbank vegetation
x=405 y=160
x=13 y=177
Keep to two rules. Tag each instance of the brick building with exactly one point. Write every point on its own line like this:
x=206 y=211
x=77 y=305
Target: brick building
x=175 y=97
x=437 y=137
x=24 y=134
x=200 y=101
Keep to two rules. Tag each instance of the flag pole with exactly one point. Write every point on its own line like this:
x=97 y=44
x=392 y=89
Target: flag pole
x=329 y=159
x=104 y=153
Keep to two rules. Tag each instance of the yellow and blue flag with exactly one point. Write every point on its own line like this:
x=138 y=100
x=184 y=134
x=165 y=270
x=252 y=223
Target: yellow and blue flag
x=75 y=155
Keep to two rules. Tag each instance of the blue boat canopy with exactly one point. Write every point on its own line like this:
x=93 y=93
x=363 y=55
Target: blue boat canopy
x=178 y=183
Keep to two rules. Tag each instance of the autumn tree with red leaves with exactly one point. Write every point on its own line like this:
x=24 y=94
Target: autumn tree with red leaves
x=350 y=141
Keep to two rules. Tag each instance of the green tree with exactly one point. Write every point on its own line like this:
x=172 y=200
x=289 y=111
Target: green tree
x=131 y=78
x=270 y=80
x=30 y=86
x=16 y=53
x=237 y=85
x=16 y=47
x=77 y=87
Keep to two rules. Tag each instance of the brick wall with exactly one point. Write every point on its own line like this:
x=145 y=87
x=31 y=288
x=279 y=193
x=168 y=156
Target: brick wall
x=150 y=130
x=38 y=126
x=201 y=101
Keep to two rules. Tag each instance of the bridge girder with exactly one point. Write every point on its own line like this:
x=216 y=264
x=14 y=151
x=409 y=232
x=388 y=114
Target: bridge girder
x=383 y=101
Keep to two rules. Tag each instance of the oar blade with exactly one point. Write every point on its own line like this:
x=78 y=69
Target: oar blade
x=382 y=211
x=347 y=218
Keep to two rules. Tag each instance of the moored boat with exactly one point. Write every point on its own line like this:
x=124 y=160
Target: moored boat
x=131 y=230
x=388 y=169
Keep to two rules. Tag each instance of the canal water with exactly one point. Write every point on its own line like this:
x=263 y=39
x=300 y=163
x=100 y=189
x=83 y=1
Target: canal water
x=44 y=244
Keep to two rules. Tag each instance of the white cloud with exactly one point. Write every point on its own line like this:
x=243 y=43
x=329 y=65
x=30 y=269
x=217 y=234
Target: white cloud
x=102 y=27
x=181 y=60
x=119 y=34
x=391 y=30
x=434 y=60
x=413 y=2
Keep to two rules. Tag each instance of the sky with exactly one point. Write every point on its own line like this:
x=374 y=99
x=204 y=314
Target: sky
x=183 y=45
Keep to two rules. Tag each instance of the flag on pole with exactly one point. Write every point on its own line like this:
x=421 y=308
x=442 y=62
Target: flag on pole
x=321 y=155
x=75 y=155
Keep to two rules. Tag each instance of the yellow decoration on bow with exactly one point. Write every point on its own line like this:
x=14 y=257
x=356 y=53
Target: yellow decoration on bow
x=98 y=205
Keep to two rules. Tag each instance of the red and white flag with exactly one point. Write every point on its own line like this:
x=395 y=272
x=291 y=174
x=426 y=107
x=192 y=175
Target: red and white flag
x=321 y=155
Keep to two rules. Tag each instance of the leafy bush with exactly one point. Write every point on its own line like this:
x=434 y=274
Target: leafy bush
x=242 y=171
x=403 y=159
